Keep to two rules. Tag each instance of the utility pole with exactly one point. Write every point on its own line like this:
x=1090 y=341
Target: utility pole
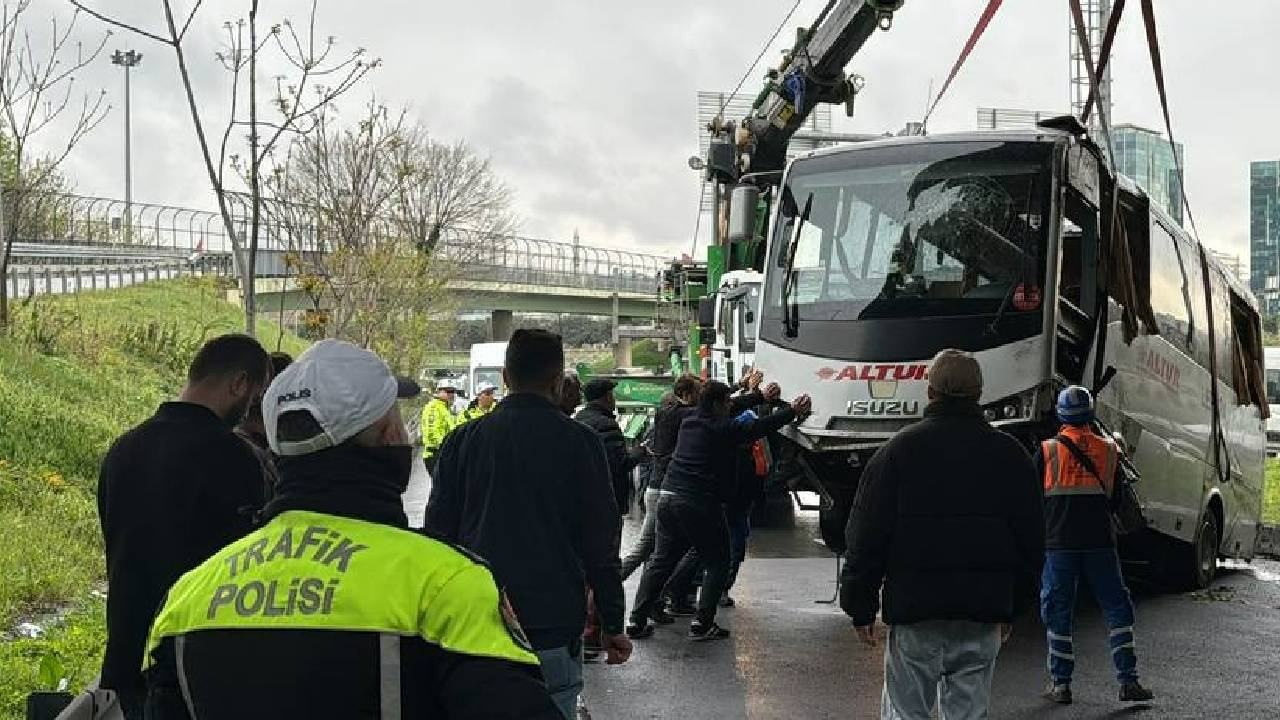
x=127 y=60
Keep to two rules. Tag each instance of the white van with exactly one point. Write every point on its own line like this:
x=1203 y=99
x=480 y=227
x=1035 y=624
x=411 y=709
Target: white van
x=486 y=366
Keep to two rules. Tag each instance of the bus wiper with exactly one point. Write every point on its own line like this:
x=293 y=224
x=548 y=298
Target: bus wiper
x=791 y=308
x=994 y=327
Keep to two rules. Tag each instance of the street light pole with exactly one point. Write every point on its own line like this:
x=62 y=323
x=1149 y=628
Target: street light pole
x=127 y=60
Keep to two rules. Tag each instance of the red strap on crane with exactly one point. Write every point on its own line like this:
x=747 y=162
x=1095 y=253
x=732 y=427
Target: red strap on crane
x=978 y=30
x=1104 y=56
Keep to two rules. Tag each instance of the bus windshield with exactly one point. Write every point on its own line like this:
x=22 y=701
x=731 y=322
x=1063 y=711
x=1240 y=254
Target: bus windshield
x=919 y=230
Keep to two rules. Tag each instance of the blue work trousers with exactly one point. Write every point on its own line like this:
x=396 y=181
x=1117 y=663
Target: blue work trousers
x=1058 y=587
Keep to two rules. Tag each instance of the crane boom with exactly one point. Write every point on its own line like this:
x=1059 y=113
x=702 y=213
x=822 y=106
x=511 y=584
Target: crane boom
x=811 y=73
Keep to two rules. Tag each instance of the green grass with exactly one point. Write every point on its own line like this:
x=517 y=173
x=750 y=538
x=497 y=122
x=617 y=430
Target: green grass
x=75 y=373
x=1271 y=494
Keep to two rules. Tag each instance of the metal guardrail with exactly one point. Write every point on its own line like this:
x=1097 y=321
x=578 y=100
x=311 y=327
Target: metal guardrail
x=74 y=221
x=24 y=253
x=30 y=281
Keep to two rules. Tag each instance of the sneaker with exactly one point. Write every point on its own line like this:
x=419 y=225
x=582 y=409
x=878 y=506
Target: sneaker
x=1058 y=692
x=708 y=631
x=1131 y=691
x=726 y=601
x=678 y=609
x=660 y=616
x=639 y=631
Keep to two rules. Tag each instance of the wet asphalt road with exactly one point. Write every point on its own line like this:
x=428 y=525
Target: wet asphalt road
x=1206 y=655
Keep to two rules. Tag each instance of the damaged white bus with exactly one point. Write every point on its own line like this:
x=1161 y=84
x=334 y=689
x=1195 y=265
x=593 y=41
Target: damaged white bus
x=1003 y=244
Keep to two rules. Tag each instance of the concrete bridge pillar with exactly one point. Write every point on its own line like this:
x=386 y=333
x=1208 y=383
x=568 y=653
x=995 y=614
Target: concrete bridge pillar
x=501 y=325
x=622 y=352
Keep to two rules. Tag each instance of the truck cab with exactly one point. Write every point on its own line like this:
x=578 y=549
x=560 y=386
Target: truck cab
x=737 y=309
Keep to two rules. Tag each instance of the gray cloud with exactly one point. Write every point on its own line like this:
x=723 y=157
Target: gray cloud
x=587 y=108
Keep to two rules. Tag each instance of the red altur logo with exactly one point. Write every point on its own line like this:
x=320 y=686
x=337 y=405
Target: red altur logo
x=913 y=371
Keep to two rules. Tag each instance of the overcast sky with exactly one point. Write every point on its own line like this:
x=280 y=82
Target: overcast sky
x=587 y=107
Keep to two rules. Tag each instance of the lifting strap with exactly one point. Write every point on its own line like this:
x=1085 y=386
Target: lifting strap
x=1104 y=56
x=1153 y=43
x=978 y=30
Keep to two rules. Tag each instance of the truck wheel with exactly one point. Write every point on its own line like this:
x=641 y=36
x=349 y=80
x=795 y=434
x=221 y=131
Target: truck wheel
x=833 y=519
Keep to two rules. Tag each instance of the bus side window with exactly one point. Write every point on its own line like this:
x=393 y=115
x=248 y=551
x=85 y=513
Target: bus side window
x=1247 y=365
x=1078 y=277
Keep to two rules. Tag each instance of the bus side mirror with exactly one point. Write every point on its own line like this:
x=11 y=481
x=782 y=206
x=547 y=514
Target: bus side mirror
x=742 y=213
x=707 y=313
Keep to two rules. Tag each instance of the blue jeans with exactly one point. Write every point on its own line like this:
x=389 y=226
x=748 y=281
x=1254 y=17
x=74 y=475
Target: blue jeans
x=643 y=548
x=562 y=671
x=948 y=662
x=1058 y=586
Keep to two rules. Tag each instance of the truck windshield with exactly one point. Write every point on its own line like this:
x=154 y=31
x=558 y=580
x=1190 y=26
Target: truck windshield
x=920 y=230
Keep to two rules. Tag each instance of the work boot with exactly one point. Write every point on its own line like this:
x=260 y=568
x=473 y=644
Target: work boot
x=1058 y=692
x=640 y=630
x=699 y=631
x=1132 y=691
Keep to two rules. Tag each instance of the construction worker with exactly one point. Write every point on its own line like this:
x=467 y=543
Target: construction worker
x=1079 y=471
x=335 y=608
x=438 y=420
x=482 y=405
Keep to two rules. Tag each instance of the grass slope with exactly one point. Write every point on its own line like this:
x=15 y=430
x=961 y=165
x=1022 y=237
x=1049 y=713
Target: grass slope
x=75 y=373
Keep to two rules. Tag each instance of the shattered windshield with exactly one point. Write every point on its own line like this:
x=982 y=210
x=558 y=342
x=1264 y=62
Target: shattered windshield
x=918 y=230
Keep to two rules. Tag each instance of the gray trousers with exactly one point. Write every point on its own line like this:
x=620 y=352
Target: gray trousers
x=947 y=662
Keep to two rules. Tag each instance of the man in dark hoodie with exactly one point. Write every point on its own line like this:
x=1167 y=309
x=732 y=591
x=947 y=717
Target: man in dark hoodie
x=335 y=608
x=677 y=405
x=701 y=476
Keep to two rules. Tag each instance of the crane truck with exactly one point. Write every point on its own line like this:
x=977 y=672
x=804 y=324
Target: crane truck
x=1024 y=248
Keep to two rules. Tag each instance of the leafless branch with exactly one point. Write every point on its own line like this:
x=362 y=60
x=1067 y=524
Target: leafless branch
x=122 y=25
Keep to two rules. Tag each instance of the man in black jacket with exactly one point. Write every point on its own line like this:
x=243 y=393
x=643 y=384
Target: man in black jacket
x=700 y=477
x=676 y=405
x=527 y=489
x=948 y=519
x=599 y=415
x=335 y=608
x=171 y=492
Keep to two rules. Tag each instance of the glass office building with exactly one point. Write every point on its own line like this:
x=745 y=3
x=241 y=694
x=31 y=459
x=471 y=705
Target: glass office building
x=1145 y=157
x=1264 y=233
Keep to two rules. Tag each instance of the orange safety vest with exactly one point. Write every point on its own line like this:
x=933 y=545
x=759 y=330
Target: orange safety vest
x=1064 y=475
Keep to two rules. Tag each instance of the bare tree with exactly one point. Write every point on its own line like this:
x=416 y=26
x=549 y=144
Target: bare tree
x=318 y=77
x=450 y=187
x=369 y=242
x=37 y=94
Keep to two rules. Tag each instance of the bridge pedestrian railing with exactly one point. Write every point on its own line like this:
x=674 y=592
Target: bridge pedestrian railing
x=63 y=228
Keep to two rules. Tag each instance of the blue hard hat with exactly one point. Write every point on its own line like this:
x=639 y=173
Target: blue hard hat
x=1075 y=405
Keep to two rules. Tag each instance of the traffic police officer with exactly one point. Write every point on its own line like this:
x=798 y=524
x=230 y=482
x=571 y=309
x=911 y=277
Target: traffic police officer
x=482 y=405
x=1079 y=471
x=438 y=420
x=334 y=608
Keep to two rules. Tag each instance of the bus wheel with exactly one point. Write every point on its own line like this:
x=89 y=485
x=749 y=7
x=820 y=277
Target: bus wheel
x=833 y=519
x=1192 y=566
x=1208 y=537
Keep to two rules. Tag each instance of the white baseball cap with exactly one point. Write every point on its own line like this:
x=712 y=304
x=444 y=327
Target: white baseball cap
x=485 y=387
x=345 y=388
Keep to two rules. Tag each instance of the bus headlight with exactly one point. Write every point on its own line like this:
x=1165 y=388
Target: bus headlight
x=1014 y=407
